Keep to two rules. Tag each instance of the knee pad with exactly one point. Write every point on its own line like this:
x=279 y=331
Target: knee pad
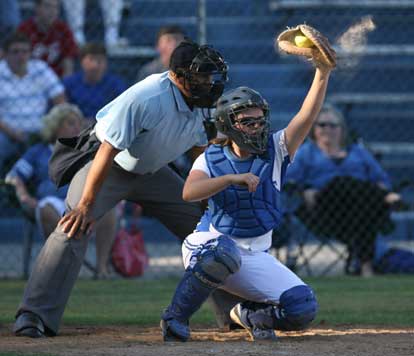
x=297 y=308
x=216 y=262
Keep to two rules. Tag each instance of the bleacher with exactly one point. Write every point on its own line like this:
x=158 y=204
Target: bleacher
x=244 y=31
x=374 y=85
x=377 y=94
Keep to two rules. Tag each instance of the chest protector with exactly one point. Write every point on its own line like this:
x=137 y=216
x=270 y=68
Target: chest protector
x=235 y=211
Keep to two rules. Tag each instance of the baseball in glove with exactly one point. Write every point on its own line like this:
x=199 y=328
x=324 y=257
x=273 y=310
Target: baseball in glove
x=304 y=40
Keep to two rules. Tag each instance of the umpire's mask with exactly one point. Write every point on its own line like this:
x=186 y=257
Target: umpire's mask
x=250 y=133
x=204 y=75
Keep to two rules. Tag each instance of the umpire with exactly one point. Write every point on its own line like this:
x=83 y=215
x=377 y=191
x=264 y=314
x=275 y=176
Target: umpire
x=140 y=132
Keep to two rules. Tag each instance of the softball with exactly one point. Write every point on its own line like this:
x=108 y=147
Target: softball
x=303 y=41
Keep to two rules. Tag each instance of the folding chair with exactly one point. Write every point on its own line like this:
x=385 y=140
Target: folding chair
x=30 y=230
x=302 y=246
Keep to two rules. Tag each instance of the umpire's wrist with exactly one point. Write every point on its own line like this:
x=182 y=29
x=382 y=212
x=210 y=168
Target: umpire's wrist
x=86 y=202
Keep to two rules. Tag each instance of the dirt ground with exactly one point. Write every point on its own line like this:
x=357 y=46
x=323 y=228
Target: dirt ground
x=128 y=341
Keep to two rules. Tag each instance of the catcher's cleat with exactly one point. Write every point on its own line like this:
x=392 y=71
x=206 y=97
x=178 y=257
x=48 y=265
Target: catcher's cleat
x=30 y=325
x=173 y=330
x=239 y=315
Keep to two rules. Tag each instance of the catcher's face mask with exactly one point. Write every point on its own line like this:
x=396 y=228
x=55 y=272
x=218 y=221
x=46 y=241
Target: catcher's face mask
x=206 y=77
x=243 y=115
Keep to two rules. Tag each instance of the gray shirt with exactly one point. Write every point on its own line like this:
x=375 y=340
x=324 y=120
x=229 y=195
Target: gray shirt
x=155 y=66
x=152 y=125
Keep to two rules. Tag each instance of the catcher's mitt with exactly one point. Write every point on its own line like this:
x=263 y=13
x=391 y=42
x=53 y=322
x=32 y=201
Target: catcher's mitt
x=319 y=49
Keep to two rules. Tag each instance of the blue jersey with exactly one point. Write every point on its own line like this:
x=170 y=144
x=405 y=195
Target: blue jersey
x=313 y=168
x=236 y=212
x=92 y=97
x=32 y=169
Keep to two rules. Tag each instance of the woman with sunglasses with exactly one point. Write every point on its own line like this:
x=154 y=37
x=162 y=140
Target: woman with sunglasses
x=346 y=192
x=241 y=176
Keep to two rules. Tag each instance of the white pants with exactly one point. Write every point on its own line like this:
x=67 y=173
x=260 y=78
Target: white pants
x=261 y=278
x=112 y=14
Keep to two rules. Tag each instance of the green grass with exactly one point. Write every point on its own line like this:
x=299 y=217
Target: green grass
x=385 y=300
x=24 y=354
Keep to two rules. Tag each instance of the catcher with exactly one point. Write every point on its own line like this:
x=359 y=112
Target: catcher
x=242 y=175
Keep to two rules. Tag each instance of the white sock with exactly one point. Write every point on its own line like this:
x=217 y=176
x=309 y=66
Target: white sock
x=79 y=37
x=111 y=35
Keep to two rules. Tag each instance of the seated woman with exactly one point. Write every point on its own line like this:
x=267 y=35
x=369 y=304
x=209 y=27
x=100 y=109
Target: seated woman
x=47 y=204
x=346 y=192
x=242 y=175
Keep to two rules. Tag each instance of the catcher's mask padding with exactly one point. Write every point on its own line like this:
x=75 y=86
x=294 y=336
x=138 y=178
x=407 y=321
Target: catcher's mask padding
x=233 y=103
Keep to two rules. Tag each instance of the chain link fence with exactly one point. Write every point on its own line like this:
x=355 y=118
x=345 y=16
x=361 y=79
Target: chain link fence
x=349 y=227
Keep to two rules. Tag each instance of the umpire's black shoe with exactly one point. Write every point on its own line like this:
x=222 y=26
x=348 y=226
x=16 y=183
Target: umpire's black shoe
x=30 y=325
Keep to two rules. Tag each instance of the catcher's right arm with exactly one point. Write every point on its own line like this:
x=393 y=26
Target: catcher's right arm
x=321 y=53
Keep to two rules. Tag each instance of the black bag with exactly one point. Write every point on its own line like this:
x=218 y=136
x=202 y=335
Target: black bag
x=71 y=154
x=348 y=207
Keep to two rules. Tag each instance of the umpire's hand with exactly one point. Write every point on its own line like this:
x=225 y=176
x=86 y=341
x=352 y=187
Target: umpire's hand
x=78 y=221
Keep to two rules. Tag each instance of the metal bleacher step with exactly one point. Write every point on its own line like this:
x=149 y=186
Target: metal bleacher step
x=288 y=100
x=384 y=99
x=386 y=15
x=146 y=8
x=236 y=8
x=239 y=51
x=309 y=4
x=385 y=128
x=244 y=28
x=142 y=31
x=274 y=76
x=164 y=8
x=375 y=78
x=374 y=121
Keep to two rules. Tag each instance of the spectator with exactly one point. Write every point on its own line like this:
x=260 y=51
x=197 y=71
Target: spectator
x=112 y=15
x=138 y=133
x=93 y=86
x=47 y=204
x=168 y=38
x=9 y=19
x=27 y=86
x=52 y=40
x=346 y=192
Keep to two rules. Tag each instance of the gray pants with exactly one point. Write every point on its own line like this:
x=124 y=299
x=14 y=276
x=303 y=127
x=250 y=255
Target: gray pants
x=58 y=264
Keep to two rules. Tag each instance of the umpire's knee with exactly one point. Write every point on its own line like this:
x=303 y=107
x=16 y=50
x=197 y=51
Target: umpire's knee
x=299 y=307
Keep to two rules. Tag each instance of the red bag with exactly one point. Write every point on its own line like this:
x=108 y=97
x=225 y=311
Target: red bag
x=129 y=256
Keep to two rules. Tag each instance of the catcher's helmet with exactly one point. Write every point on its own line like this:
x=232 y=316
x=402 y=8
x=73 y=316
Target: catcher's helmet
x=204 y=71
x=255 y=137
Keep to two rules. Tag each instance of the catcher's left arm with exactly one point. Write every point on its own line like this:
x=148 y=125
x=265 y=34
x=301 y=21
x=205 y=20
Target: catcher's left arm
x=324 y=58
